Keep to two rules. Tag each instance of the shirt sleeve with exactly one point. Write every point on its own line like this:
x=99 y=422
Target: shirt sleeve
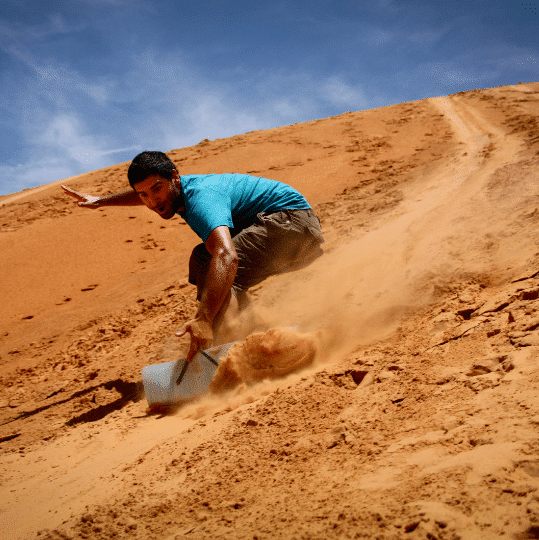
x=210 y=210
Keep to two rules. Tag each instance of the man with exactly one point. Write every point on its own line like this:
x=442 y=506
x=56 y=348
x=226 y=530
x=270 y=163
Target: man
x=251 y=228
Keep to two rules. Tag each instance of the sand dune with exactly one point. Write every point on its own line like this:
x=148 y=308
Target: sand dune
x=418 y=418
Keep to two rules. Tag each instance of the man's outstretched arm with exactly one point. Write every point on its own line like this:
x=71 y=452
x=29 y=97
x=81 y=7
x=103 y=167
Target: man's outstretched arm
x=126 y=197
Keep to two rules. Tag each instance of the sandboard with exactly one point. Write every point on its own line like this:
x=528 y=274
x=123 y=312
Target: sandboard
x=171 y=383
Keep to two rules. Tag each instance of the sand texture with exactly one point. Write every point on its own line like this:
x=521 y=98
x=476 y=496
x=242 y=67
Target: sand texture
x=417 y=419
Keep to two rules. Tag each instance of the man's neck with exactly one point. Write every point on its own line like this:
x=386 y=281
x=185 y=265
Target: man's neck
x=178 y=204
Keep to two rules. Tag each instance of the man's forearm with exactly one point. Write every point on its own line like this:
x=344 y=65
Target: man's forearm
x=126 y=197
x=219 y=279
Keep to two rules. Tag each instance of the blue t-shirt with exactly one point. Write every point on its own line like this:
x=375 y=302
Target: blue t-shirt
x=234 y=200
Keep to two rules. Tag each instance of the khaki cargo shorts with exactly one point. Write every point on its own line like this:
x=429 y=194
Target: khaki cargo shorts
x=275 y=243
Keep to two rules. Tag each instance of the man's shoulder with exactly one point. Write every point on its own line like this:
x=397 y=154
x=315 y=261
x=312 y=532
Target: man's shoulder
x=203 y=192
x=195 y=178
x=214 y=184
x=208 y=177
x=193 y=184
x=205 y=180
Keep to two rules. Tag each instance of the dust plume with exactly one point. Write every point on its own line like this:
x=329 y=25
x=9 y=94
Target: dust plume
x=265 y=355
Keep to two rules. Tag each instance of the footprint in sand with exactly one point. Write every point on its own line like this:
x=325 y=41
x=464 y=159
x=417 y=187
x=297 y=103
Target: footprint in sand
x=90 y=287
x=148 y=242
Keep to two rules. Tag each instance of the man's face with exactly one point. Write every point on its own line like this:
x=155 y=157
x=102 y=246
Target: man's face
x=159 y=195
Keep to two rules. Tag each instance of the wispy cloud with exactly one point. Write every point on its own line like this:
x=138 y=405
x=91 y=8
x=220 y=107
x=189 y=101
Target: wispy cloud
x=482 y=67
x=94 y=81
x=62 y=147
x=19 y=32
x=51 y=78
x=33 y=172
x=337 y=91
x=427 y=36
x=404 y=39
x=378 y=36
x=171 y=105
x=200 y=107
x=454 y=73
x=65 y=135
x=388 y=7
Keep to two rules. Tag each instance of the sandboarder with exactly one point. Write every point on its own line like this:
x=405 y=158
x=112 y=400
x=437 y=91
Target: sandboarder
x=251 y=228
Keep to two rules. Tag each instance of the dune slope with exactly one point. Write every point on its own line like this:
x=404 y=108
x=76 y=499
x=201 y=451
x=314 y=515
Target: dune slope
x=419 y=416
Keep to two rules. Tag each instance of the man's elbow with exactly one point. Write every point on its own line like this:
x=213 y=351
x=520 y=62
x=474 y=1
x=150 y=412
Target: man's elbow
x=233 y=261
x=229 y=259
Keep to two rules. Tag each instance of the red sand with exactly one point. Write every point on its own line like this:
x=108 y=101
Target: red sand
x=419 y=418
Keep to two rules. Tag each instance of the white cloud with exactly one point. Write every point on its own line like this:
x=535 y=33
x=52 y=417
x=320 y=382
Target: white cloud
x=53 y=78
x=35 y=172
x=184 y=114
x=25 y=33
x=429 y=36
x=338 y=92
x=376 y=37
x=160 y=102
x=67 y=138
x=61 y=147
x=388 y=7
x=287 y=107
x=184 y=107
x=172 y=106
x=482 y=67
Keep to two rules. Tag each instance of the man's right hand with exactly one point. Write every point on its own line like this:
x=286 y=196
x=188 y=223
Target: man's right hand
x=201 y=335
x=86 y=201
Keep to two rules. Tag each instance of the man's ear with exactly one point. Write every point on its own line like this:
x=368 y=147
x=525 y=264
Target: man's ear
x=175 y=175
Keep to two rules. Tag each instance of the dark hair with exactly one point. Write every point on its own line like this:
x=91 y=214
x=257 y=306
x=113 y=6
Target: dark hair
x=148 y=163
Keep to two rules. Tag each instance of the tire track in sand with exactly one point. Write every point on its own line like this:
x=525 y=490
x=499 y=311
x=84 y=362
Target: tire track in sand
x=448 y=216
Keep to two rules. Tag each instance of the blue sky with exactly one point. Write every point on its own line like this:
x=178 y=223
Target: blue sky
x=90 y=83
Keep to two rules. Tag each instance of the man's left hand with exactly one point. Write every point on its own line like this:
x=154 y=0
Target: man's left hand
x=201 y=335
